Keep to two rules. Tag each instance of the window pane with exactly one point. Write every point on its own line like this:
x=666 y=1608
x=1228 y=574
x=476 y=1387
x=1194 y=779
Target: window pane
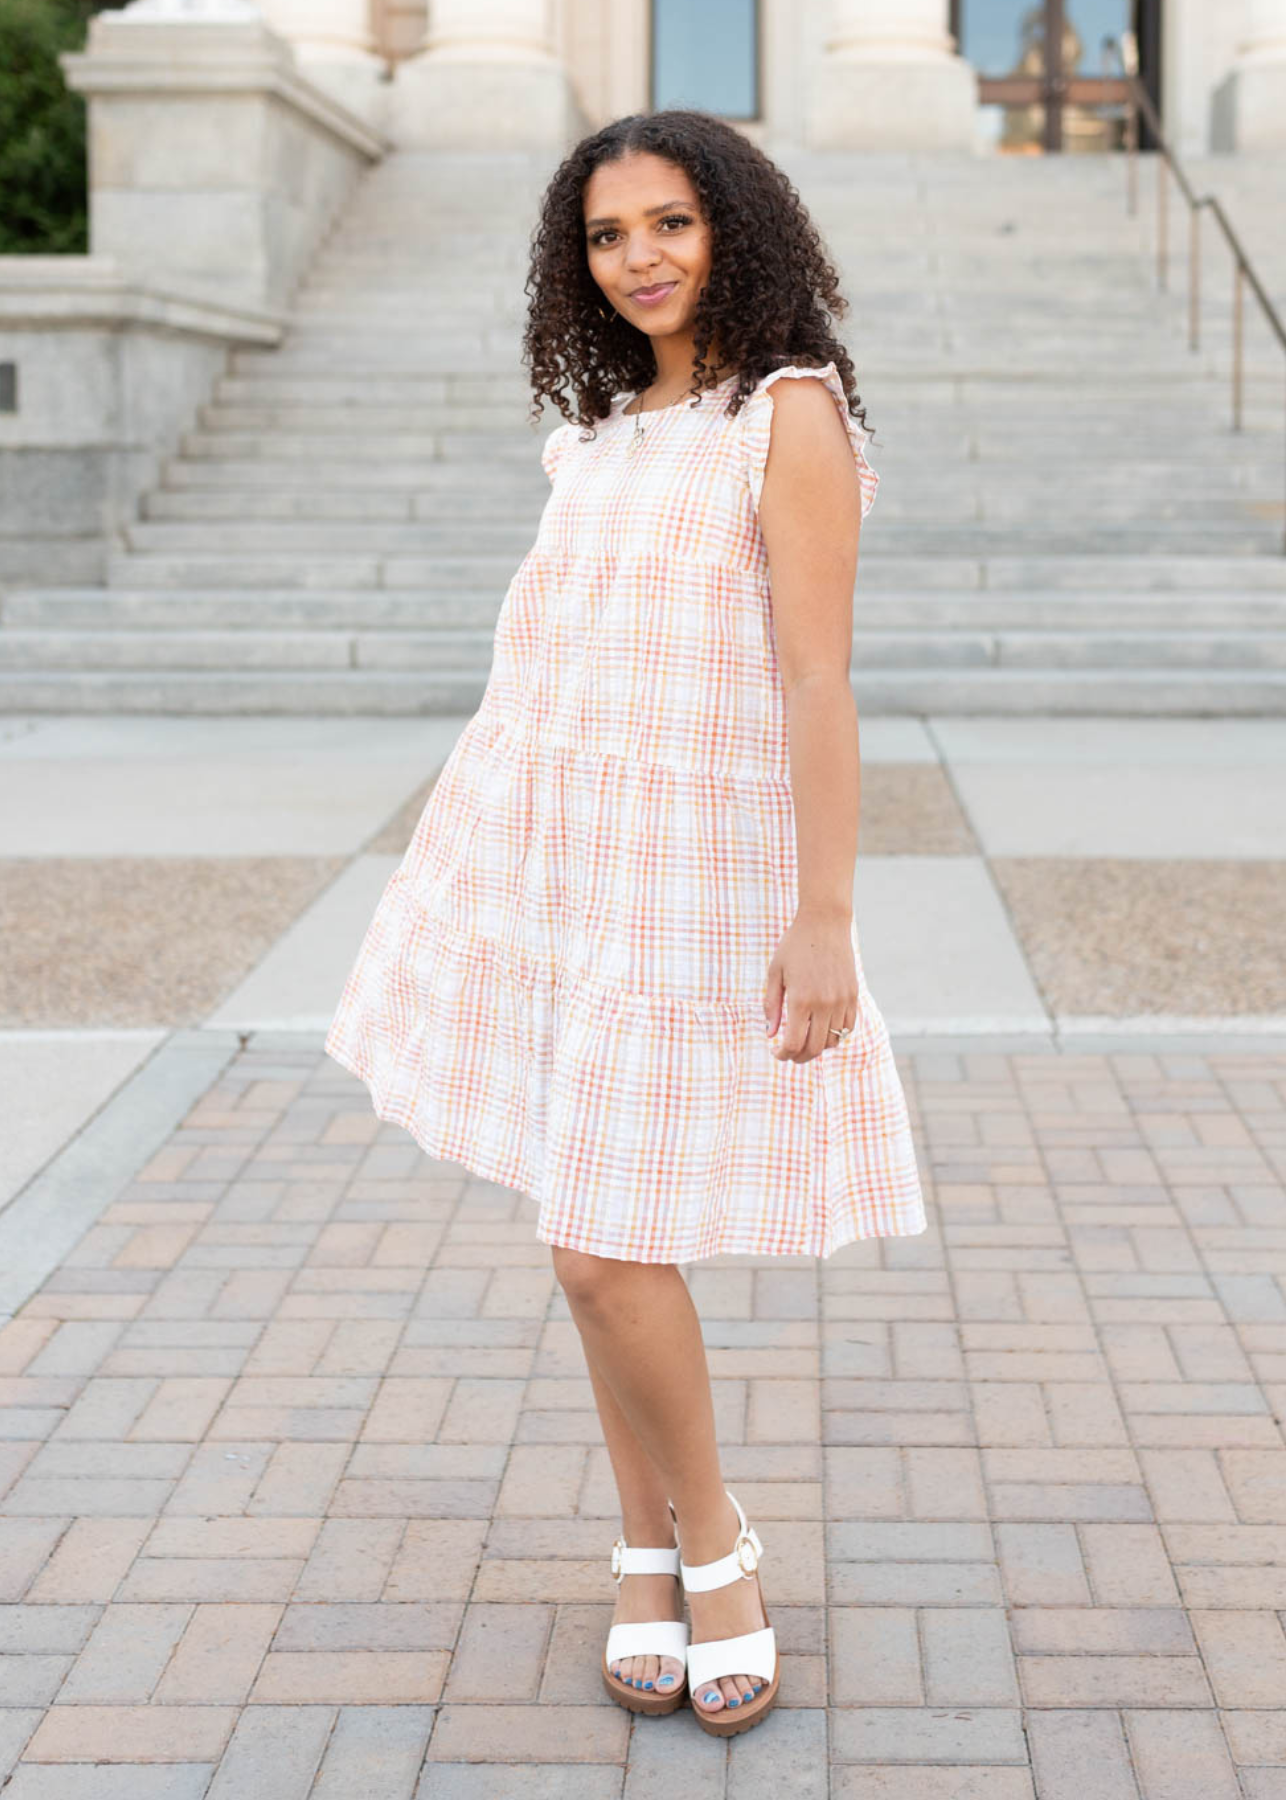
x=1091 y=21
x=992 y=33
x=706 y=55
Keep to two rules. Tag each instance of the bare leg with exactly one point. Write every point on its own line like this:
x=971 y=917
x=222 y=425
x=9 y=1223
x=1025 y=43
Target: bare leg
x=624 y=1311
x=645 y=1519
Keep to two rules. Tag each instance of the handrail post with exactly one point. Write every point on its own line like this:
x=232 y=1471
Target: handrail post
x=1139 y=105
x=1238 y=310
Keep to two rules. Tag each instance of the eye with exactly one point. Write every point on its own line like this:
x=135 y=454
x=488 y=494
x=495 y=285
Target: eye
x=604 y=232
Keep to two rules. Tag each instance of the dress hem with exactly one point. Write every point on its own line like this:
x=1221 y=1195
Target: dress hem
x=478 y=1164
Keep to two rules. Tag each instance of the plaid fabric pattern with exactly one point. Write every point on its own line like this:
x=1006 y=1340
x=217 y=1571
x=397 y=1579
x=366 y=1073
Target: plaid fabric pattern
x=561 y=987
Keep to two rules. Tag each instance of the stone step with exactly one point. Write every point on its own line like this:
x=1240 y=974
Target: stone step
x=503 y=418
x=896 y=571
x=486 y=447
x=437 y=649
x=480 y=506
x=473 y=603
x=499 y=536
x=395 y=543
x=1149 y=693
x=299 y=569
x=255 y=474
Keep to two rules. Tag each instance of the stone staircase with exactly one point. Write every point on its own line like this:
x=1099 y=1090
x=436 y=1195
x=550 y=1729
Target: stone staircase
x=1066 y=522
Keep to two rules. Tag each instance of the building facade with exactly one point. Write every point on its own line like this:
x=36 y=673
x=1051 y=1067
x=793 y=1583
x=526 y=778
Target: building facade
x=996 y=76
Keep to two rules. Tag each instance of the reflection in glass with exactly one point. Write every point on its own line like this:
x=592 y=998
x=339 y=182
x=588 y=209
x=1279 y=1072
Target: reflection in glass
x=991 y=33
x=706 y=55
x=1006 y=40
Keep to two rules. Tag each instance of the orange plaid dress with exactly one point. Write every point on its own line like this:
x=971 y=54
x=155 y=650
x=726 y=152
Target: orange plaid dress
x=562 y=984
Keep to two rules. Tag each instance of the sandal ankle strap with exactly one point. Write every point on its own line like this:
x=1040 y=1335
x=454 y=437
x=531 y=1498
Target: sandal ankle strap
x=740 y=1562
x=629 y=1560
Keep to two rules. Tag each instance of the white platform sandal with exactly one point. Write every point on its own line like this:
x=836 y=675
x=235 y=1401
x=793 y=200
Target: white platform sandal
x=650 y=1637
x=754 y=1653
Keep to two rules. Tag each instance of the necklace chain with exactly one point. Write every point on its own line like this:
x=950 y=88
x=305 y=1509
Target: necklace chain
x=636 y=436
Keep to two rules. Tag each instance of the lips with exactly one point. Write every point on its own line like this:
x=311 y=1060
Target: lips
x=653 y=293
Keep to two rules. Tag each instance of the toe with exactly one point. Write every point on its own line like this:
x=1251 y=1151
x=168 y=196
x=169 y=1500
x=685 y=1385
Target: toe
x=745 y=1686
x=670 y=1673
x=710 y=1696
x=730 y=1693
x=648 y=1668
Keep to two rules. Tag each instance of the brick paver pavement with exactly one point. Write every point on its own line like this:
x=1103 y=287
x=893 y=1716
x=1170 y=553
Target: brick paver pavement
x=304 y=1492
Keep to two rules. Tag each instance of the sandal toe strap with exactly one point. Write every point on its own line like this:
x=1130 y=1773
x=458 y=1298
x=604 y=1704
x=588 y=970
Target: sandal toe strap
x=650 y=1637
x=754 y=1653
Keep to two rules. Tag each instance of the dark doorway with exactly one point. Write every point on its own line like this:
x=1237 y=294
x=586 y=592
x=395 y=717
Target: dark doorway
x=1044 y=83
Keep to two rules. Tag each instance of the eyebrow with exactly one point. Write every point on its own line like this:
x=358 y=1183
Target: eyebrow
x=666 y=206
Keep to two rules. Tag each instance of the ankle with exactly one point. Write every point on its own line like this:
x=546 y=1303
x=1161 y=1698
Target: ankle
x=709 y=1534
x=648 y=1530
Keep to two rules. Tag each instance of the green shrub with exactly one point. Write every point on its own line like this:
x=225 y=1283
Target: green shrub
x=42 y=128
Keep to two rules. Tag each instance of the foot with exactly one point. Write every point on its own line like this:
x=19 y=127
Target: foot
x=728 y=1611
x=641 y=1597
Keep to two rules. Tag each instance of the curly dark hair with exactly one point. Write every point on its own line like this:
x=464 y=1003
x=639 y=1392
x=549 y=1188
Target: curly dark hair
x=768 y=303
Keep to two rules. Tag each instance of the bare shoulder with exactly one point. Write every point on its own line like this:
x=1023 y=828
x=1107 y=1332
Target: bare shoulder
x=809 y=440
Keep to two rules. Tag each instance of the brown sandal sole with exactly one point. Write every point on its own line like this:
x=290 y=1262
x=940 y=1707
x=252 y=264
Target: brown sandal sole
x=728 y=1720
x=643 y=1700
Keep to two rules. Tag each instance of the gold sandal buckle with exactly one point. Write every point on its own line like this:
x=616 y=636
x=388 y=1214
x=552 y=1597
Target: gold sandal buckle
x=618 y=1549
x=746 y=1554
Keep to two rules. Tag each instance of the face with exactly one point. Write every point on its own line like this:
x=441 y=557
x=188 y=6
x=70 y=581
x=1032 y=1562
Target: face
x=644 y=229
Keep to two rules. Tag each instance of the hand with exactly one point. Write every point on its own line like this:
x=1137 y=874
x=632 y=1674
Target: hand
x=813 y=970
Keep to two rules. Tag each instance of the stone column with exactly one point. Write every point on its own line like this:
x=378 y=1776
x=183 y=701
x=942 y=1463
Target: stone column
x=487 y=77
x=1249 y=105
x=890 y=79
x=335 y=47
x=215 y=166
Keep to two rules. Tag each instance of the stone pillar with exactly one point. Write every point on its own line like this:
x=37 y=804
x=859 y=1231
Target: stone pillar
x=487 y=77
x=335 y=47
x=1248 y=108
x=214 y=166
x=890 y=79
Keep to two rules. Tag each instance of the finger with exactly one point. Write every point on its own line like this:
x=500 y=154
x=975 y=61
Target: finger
x=818 y=1034
x=796 y=1036
x=774 y=992
x=839 y=1023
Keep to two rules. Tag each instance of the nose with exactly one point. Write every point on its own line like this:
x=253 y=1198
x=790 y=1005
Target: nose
x=640 y=255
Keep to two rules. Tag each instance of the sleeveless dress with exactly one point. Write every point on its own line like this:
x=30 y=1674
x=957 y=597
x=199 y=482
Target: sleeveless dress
x=562 y=984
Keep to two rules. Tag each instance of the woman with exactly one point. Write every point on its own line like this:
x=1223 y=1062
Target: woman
x=617 y=968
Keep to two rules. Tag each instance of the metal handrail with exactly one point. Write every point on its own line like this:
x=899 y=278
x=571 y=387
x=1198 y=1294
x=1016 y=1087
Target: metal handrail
x=1140 y=101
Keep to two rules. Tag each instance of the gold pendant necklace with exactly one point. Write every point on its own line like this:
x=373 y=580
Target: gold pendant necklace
x=636 y=436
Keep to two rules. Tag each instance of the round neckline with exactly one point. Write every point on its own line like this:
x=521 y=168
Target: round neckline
x=683 y=400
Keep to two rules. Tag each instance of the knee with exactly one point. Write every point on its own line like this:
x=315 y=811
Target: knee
x=582 y=1277
x=587 y=1280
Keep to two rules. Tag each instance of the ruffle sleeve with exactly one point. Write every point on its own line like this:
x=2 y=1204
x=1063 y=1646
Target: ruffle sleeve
x=756 y=415
x=552 y=449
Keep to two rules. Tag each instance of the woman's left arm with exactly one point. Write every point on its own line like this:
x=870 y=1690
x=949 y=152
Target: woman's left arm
x=810 y=516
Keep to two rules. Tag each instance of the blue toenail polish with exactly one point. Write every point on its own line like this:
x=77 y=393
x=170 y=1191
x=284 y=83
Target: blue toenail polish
x=710 y=1699
x=665 y=1681
x=735 y=1701
x=647 y=1684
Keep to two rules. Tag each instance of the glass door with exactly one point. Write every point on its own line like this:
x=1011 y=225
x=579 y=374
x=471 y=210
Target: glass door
x=1042 y=75
x=706 y=55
